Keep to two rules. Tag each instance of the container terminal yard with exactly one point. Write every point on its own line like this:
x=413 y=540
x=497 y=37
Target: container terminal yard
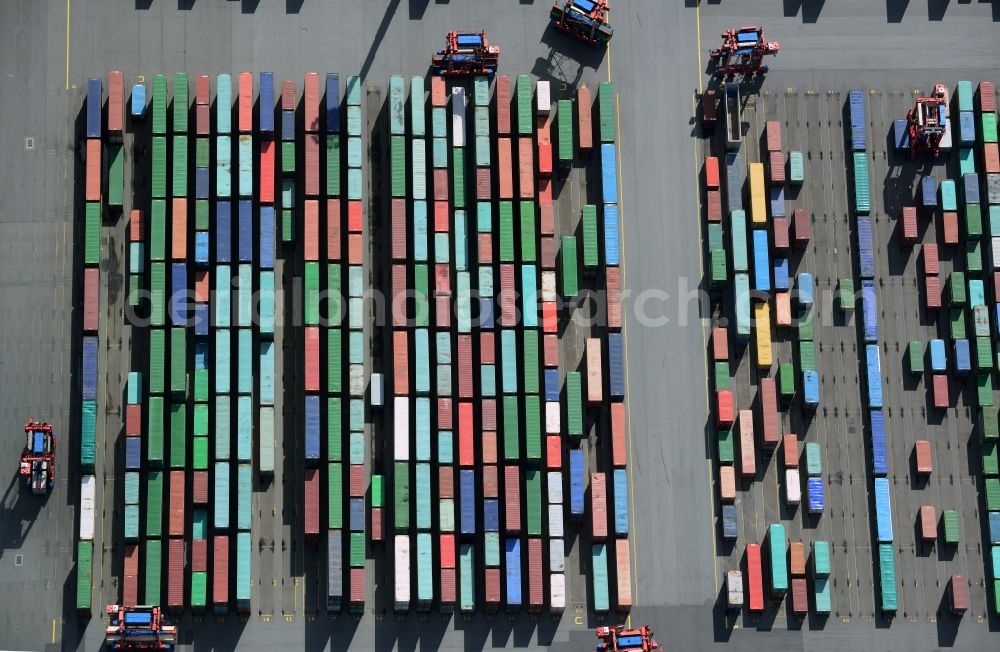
x=680 y=348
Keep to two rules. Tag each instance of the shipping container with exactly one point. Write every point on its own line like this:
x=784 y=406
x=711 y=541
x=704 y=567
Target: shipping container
x=754 y=577
x=777 y=563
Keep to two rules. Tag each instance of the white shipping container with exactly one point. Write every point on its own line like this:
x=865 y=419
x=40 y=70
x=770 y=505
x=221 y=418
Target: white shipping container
x=552 y=413
x=267 y=440
x=544 y=101
x=402 y=568
x=557 y=593
x=549 y=286
x=734 y=588
x=793 y=489
x=88 y=501
x=377 y=390
x=356 y=380
x=458 y=117
x=557 y=556
x=555 y=520
x=995 y=251
x=554 y=482
x=401 y=429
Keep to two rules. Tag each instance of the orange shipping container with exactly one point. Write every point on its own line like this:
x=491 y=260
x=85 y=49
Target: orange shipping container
x=584 y=122
x=91 y=298
x=267 y=147
x=949 y=227
x=525 y=168
x=598 y=507
x=441 y=220
x=401 y=364
x=201 y=286
x=93 y=182
x=176 y=518
x=355 y=216
x=613 y=278
x=245 y=116
x=438 y=97
x=333 y=245
x=928 y=523
x=724 y=406
x=748 y=457
x=312 y=165
x=178 y=229
x=618 y=442
x=797 y=559
x=311 y=108
x=782 y=309
x=623 y=564
x=991 y=158
x=505 y=171
x=727 y=484
x=485 y=249
x=355 y=249
x=310 y=226
x=922 y=452
x=712 y=173
x=720 y=344
x=595 y=377
x=489 y=447
x=790 y=447
x=503 y=104
x=136 y=229
x=116 y=102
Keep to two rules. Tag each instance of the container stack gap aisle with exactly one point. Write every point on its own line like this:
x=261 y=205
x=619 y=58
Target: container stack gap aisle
x=356 y=339
x=91 y=323
x=333 y=343
x=221 y=310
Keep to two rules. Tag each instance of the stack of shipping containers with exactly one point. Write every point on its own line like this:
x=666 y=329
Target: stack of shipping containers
x=265 y=311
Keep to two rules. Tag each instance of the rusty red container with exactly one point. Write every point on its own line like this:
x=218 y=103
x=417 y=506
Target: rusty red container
x=465 y=371
x=491 y=485
x=466 y=446
x=442 y=279
x=544 y=190
x=267 y=149
x=199 y=555
x=355 y=249
x=550 y=345
x=133 y=420
x=399 y=229
x=553 y=452
x=93 y=178
x=755 y=578
x=546 y=219
x=987 y=97
x=447 y=549
x=199 y=488
x=924 y=459
x=438 y=92
x=116 y=101
x=441 y=219
x=550 y=249
x=440 y=182
x=512 y=502
x=444 y=409
x=598 y=507
x=288 y=95
x=312 y=165
x=776 y=167
x=447 y=586
x=220 y=569
x=131 y=559
x=623 y=598
x=991 y=158
x=130 y=590
x=491 y=589
x=485 y=241
x=175 y=574
x=959 y=594
x=487 y=347
x=176 y=518
x=712 y=173
x=801 y=217
x=536 y=594
x=713 y=205
x=909 y=221
x=245 y=103
x=401 y=364
x=545 y=159
x=489 y=413
x=769 y=411
x=442 y=312
x=503 y=106
x=483 y=188
x=311 y=489
x=446 y=481
x=619 y=445
x=780 y=227
x=357 y=586
x=550 y=317
x=584 y=121
x=932 y=291
x=505 y=168
x=311 y=102
x=136 y=229
x=928 y=523
x=357 y=485
x=397 y=301
x=790 y=450
x=526 y=169
x=202 y=90
x=334 y=250
x=203 y=119
x=949 y=227
x=489 y=447
x=773 y=136
x=613 y=278
x=312 y=359
x=940 y=391
x=720 y=344
x=931 y=264
x=378 y=526
x=310 y=226
x=800 y=596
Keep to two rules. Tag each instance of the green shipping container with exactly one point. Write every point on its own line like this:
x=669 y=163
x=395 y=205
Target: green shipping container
x=591 y=257
x=564 y=118
x=84 y=575
x=199 y=454
x=116 y=175
x=806 y=327
x=991 y=488
x=786 y=380
x=154 y=438
x=984 y=390
x=357 y=549
x=574 y=404
x=989 y=425
x=524 y=110
x=529 y=349
x=200 y=394
x=862 y=190
x=984 y=353
x=722 y=377
x=178 y=435
x=599 y=577
x=847 y=294
x=92 y=234
x=154 y=504
x=990 y=463
x=182 y=90
x=199 y=587
x=974 y=220
x=157 y=294
x=973 y=256
x=570 y=274
x=606 y=109
x=887 y=577
x=159 y=180
x=157 y=229
x=154 y=570
x=335 y=495
x=202 y=155
x=159 y=104
x=814 y=460
x=949 y=518
x=334 y=361
x=288 y=157
x=333 y=165
x=988 y=127
x=533 y=501
x=915 y=354
x=180 y=173
x=397 y=159
x=201 y=222
x=725 y=446
x=401 y=496
x=157 y=353
x=956 y=289
x=458 y=177
x=377 y=491
x=335 y=427
x=506 y=232
x=178 y=361
x=717 y=258
x=529 y=231
x=533 y=428
x=421 y=316
x=511 y=437
x=807 y=356
x=956 y=321
x=311 y=289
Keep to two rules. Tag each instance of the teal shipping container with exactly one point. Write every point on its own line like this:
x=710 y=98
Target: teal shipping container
x=266 y=453
x=461 y=242
x=425 y=570
x=244 y=580
x=266 y=383
x=738 y=231
x=463 y=302
x=887 y=577
x=223 y=166
x=244 y=296
x=131 y=522
x=508 y=361
x=244 y=367
x=353 y=120
x=420 y=231
x=741 y=293
x=439 y=153
x=244 y=428
x=481 y=91
x=223 y=103
x=132 y=488
x=422 y=363
x=422 y=427
x=599 y=577
x=265 y=302
x=88 y=428
x=777 y=558
x=422 y=494
x=439 y=122
x=245 y=161
x=466 y=574
x=481 y=122
x=529 y=296
x=418 y=119
x=244 y=493
x=397 y=105
x=222 y=361
x=354 y=184
x=220 y=514
x=223 y=422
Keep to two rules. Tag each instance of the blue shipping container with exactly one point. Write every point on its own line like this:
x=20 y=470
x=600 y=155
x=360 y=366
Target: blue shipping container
x=177 y=306
x=201 y=176
x=138 y=100
x=201 y=319
x=201 y=248
x=761 y=264
x=512 y=552
x=810 y=389
x=805 y=284
x=88 y=378
x=95 y=105
x=874 y=363
x=777 y=201
x=815 y=495
x=869 y=310
x=266 y=101
x=312 y=428
x=780 y=273
x=928 y=191
x=734 y=182
x=609 y=174
x=621 y=502
x=486 y=313
x=551 y=384
x=288 y=125
x=333 y=102
x=901 y=135
x=467 y=494
x=970 y=187
x=859 y=121
x=223 y=232
x=883 y=510
x=246 y=231
x=866 y=248
x=938 y=359
x=576 y=483
x=266 y=227
x=963 y=360
x=880 y=465
x=994 y=520
x=133 y=453
x=730 y=522
x=491 y=515
x=616 y=365
x=966 y=128
x=612 y=251
x=357 y=515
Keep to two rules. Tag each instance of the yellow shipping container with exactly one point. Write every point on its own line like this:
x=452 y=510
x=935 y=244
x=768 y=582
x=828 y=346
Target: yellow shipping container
x=758 y=202
x=762 y=333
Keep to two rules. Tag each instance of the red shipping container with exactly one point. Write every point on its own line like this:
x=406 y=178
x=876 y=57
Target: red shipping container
x=987 y=97
x=545 y=159
x=199 y=555
x=199 y=488
x=959 y=594
x=130 y=575
x=922 y=453
x=448 y=551
x=550 y=344
x=310 y=245
x=940 y=389
x=438 y=95
x=790 y=448
x=546 y=219
x=398 y=229
x=131 y=559
x=311 y=488
x=598 y=507
x=440 y=183
x=267 y=148
x=773 y=135
x=536 y=596
x=713 y=206
x=932 y=289
x=491 y=484
x=505 y=170
x=487 y=347
x=782 y=309
x=116 y=102
x=544 y=190
x=623 y=565
x=220 y=569
x=312 y=165
x=358 y=485
x=312 y=359
x=202 y=90
x=485 y=241
x=483 y=190
x=203 y=119
x=748 y=458
x=796 y=559
x=492 y=588
x=720 y=344
x=776 y=167
x=769 y=409
x=550 y=319
x=401 y=365
x=489 y=447
x=355 y=249
x=991 y=158
x=441 y=218
x=931 y=265
x=801 y=219
x=613 y=286
x=512 y=503
x=550 y=249
x=334 y=249
x=909 y=224
x=727 y=484
x=724 y=406
x=201 y=286
x=136 y=229
x=996 y=284
x=397 y=302
x=503 y=104
x=178 y=229
x=542 y=129
x=133 y=420
x=442 y=312
x=800 y=597
x=712 y=172
x=619 y=445
x=446 y=481
x=311 y=108
x=93 y=181
x=928 y=523
x=175 y=574
x=949 y=227
x=442 y=279
x=755 y=578
x=288 y=95
x=466 y=448
x=176 y=518
x=378 y=530
x=448 y=586
x=585 y=124
x=130 y=590
x=444 y=413
x=508 y=316
x=780 y=228
x=489 y=413
x=465 y=370
x=553 y=450
x=526 y=169
x=245 y=103
x=357 y=586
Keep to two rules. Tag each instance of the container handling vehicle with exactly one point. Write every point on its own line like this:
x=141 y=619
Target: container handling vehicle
x=138 y=628
x=586 y=20
x=927 y=123
x=621 y=639
x=743 y=51
x=467 y=54
x=38 y=459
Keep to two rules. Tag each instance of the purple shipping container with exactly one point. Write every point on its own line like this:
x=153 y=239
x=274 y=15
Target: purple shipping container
x=178 y=289
x=246 y=231
x=879 y=464
x=928 y=191
x=491 y=515
x=576 y=483
x=201 y=319
x=312 y=428
x=266 y=101
x=866 y=254
x=357 y=515
x=486 y=313
x=266 y=227
x=970 y=184
x=333 y=103
x=869 y=310
x=89 y=376
x=467 y=497
x=201 y=183
x=616 y=366
x=223 y=232
x=551 y=384
x=133 y=453
x=777 y=201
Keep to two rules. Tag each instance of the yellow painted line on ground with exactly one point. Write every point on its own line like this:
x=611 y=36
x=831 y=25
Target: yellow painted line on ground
x=68 y=14
x=53 y=630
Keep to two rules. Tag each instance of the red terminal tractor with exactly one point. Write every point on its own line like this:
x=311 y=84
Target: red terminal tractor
x=586 y=20
x=138 y=628
x=620 y=639
x=927 y=122
x=466 y=55
x=38 y=459
x=743 y=51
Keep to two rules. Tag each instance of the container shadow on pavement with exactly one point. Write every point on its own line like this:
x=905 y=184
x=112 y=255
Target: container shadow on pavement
x=810 y=9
